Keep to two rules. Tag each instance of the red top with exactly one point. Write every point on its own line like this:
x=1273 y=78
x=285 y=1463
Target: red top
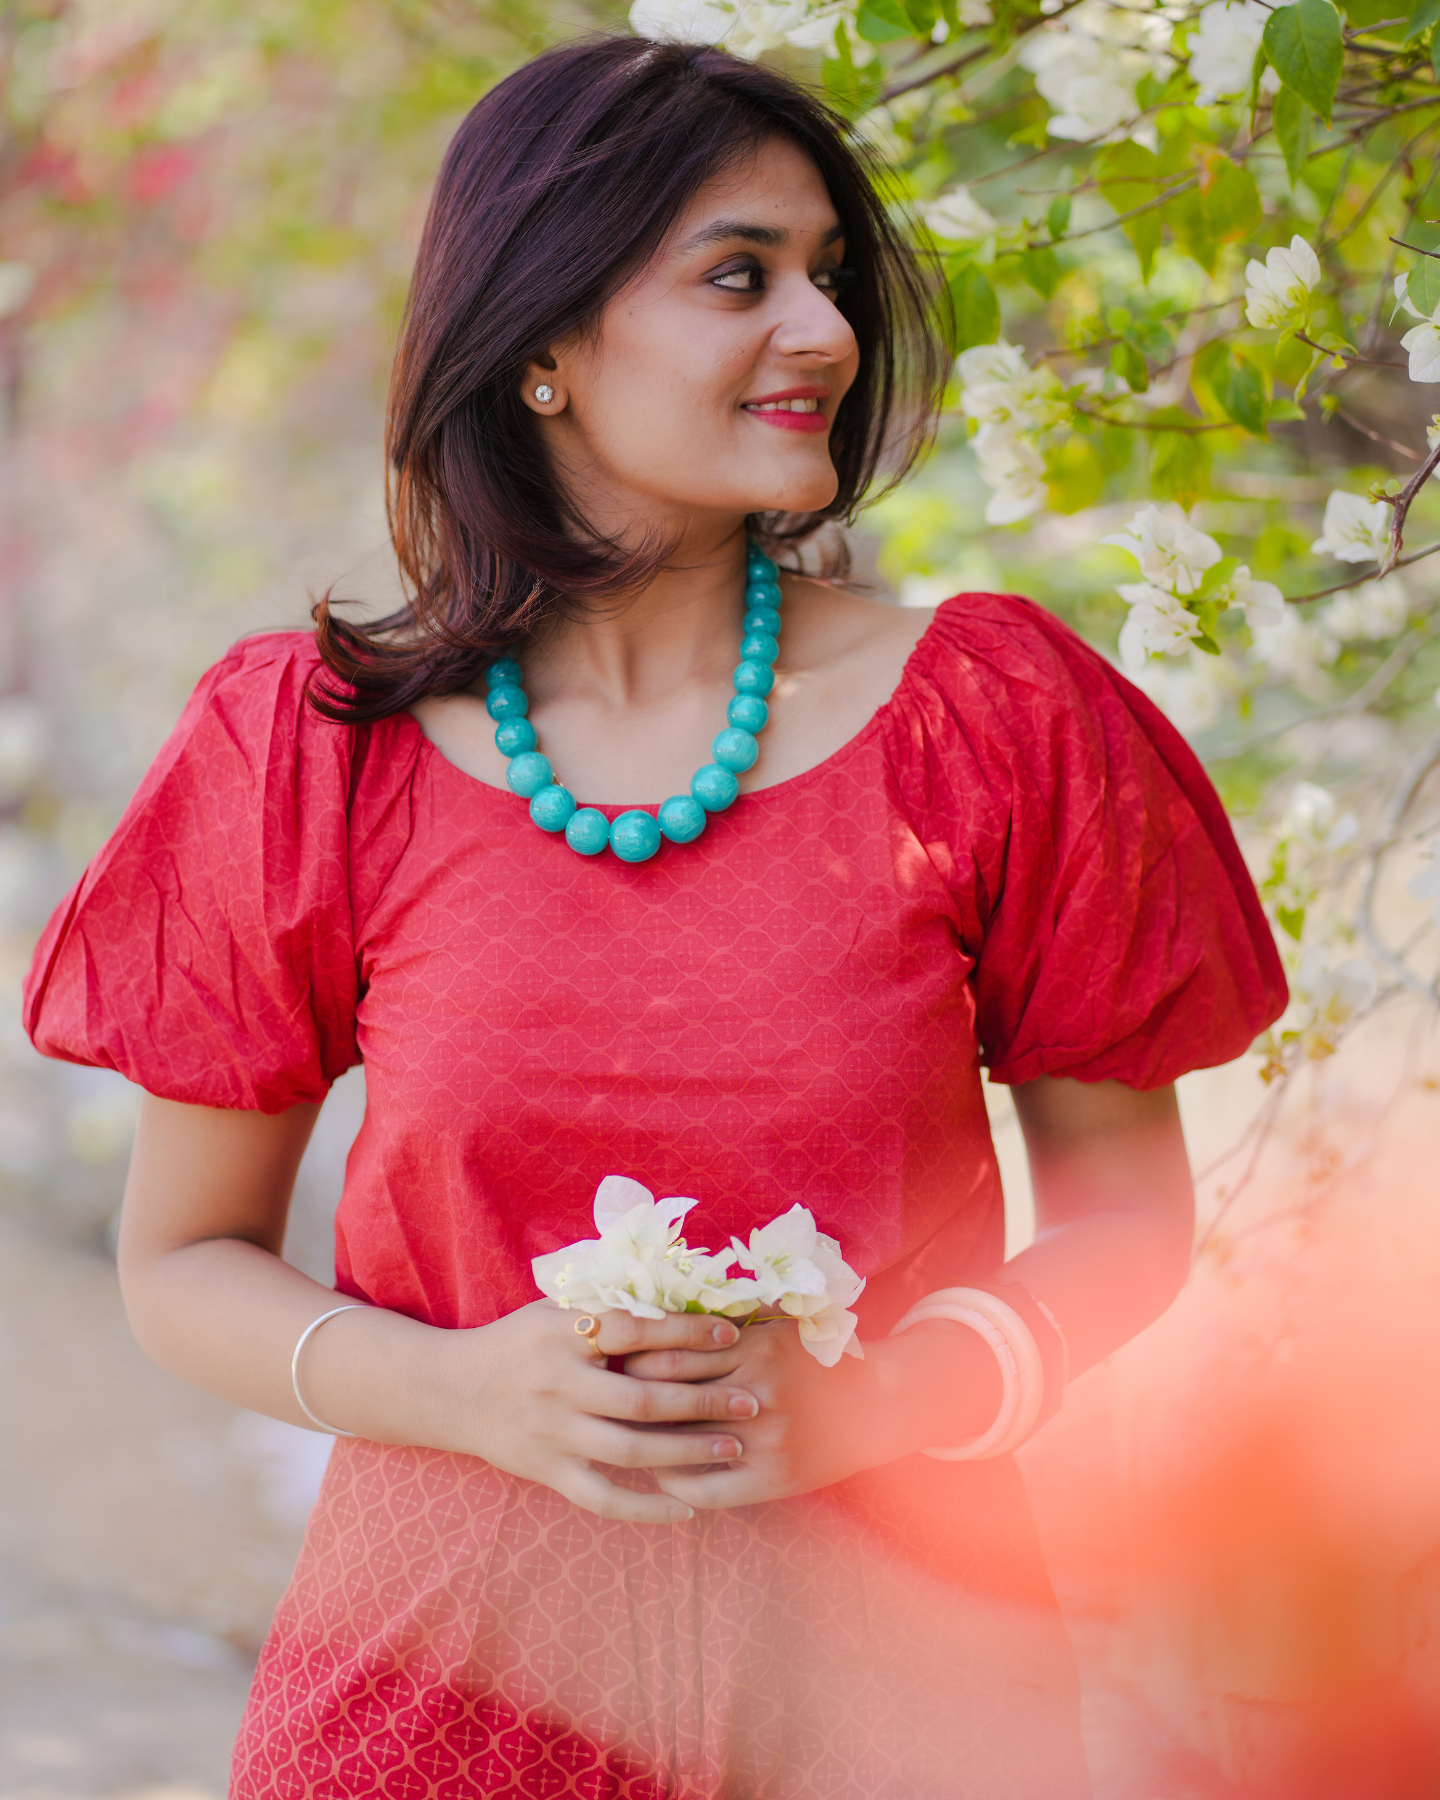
x=1016 y=861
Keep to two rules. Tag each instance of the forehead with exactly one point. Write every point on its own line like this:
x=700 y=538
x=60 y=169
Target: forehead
x=774 y=186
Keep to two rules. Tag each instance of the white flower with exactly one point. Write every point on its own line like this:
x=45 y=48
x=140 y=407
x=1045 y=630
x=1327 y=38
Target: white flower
x=1222 y=51
x=1423 y=343
x=1277 y=291
x=682 y=21
x=748 y=27
x=1379 y=609
x=1354 y=529
x=632 y=1265
x=1261 y=601
x=1426 y=885
x=957 y=217
x=796 y=1267
x=1296 y=650
x=1337 y=993
x=1313 y=815
x=1171 y=553
x=1015 y=469
x=1157 y=623
x=1011 y=404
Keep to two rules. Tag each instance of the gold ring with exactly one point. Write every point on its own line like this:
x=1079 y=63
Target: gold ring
x=588 y=1328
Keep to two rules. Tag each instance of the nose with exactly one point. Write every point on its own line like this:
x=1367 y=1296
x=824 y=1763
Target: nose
x=811 y=324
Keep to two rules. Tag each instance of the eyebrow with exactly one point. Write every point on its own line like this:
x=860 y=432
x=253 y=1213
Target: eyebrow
x=770 y=236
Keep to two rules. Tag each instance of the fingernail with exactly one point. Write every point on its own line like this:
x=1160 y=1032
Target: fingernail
x=726 y=1449
x=678 y=1514
x=725 y=1334
x=743 y=1406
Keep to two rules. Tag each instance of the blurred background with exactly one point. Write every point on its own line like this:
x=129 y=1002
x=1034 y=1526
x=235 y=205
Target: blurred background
x=207 y=212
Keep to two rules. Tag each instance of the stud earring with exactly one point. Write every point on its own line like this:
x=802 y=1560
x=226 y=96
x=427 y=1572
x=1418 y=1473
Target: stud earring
x=544 y=394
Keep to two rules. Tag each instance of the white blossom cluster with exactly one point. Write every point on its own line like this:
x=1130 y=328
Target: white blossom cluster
x=1088 y=64
x=1222 y=50
x=1277 y=291
x=1012 y=405
x=1174 y=559
x=640 y=1264
x=1422 y=341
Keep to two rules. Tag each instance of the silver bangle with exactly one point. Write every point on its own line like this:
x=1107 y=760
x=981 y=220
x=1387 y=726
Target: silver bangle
x=314 y=1325
x=1017 y=1353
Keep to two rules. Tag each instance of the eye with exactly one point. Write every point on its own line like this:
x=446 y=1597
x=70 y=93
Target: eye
x=741 y=278
x=834 y=280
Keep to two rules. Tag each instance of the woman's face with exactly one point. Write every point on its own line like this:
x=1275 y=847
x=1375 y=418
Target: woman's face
x=709 y=387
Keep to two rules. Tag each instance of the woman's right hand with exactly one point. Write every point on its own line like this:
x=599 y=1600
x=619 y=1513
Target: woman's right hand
x=528 y=1394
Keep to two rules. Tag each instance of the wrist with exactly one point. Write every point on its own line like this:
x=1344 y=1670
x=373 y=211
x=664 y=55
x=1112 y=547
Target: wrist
x=941 y=1384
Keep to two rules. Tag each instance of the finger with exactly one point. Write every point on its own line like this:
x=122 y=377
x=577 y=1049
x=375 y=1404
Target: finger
x=711 y=1489
x=604 y=1441
x=621 y=1335
x=621 y=1397
x=682 y=1365
x=588 y=1488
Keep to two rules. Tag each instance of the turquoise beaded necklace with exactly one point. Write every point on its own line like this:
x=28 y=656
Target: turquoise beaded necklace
x=635 y=835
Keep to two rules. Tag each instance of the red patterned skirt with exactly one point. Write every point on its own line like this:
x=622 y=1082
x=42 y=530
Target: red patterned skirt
x=452 y=1631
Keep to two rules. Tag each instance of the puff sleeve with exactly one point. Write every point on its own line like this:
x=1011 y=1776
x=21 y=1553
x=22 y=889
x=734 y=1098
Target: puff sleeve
x=207 y=952
x=1116 y=932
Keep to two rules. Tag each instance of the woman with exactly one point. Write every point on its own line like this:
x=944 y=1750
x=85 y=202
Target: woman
x=658 y=307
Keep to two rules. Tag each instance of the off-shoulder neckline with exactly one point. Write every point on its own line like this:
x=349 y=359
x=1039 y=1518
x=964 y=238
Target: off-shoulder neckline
x=431 y=754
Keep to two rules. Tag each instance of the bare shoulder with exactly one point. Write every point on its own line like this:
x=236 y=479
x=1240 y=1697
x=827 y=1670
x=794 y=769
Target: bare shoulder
x=829 y=627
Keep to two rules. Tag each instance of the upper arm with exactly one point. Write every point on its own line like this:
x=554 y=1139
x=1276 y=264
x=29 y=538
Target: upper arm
x=1101 y=1146
x=202 y=1172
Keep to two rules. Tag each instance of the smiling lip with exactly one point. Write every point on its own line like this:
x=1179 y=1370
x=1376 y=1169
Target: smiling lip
x=793 y=409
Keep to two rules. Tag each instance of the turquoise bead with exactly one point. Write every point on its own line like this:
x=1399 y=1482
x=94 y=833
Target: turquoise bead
x=552 y=808
x=758 y=566
x=682 y=819
x=735 y=749
x=505 y=673
x=528 y=773
x=514 y=736
x=588 y=831
x=715 y=788
x=762 y=618
x=760 y=647
x=754 y=678
x=507 y=702
x=763 y=593
x=635 y=836
x=749 y=712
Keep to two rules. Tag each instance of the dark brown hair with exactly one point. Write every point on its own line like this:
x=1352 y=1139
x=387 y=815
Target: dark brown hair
x=561 y=185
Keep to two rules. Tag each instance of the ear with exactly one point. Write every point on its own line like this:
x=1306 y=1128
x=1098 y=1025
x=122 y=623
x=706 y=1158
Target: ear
x=540 y=387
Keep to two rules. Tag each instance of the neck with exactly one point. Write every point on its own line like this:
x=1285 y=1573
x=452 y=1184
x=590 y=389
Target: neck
x=682 y=628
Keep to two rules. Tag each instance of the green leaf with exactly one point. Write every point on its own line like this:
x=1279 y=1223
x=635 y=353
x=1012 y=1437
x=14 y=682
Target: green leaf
x=1180 y=466
x=1426 y=14
x=1129 y=365
x=1306 y=46
x=1257 y=69
x=1422 y=285
x=1057 y=219
x=1215 y=578
x=976 y=308
x=1292 y=919
x=1284 y=411
x=1129 y=175
x=950 y=13
x=1291 y=117
x=1241 y=393
x=1041 y=270
x=882 y=21
x=923 y=15
x=1224 y=206
x=1075 y=476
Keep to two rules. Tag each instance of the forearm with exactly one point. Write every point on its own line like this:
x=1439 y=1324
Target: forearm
x=226 y=1315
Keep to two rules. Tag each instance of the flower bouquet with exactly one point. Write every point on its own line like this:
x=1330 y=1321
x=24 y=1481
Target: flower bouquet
x=642 y=1265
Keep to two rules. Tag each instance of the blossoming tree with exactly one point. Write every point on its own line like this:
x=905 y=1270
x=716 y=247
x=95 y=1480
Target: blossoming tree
x=1193 y=271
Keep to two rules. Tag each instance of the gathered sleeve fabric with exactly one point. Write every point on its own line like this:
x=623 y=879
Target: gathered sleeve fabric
x=208 y=952
x=1115 y=929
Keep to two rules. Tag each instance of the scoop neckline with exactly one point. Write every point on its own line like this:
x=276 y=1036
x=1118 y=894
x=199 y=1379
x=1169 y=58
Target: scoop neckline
x=611 y=809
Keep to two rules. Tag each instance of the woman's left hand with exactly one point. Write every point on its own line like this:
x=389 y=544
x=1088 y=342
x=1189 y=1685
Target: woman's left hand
x=936 y=1383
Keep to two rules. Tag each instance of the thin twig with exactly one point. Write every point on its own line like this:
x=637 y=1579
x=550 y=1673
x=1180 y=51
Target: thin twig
x=1402 y=503
x=1349 y=356
x=1402 y=562
x=1376 y=437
